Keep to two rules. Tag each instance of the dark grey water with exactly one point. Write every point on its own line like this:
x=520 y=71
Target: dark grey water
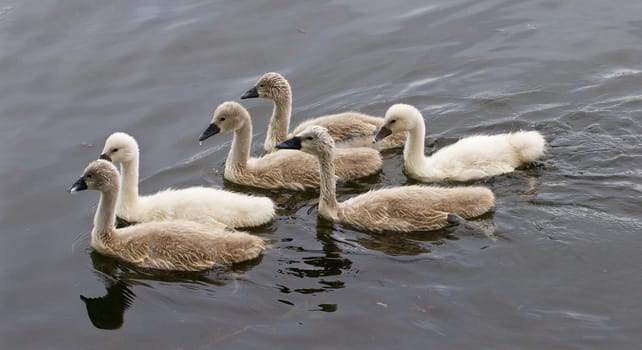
x=563 y=271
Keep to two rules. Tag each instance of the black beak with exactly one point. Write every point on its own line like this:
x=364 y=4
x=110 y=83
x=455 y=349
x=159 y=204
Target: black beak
x=105 y=157
x=251 y=93
x=293 y=143
x=78 y=186
x=210 y=131
x=382 y=134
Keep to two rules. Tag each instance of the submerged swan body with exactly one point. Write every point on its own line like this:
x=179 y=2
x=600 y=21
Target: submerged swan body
x=209 y=206
x=407 y=208
x=470 y=158
x=167 y=245
x=283 y=169
x=348 y=129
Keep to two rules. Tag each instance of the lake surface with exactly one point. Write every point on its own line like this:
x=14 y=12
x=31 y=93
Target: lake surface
x=561 y=271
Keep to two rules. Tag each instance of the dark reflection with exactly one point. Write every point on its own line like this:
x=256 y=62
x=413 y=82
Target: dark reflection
x=327 y=307
x=395 y=243
x=108 y=311
x=323 y=266
x=420 y=242
x=360 y=185
x=332 y=263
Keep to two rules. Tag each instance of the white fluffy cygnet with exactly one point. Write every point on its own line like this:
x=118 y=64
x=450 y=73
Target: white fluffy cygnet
x=470 y=158
x=205 y=205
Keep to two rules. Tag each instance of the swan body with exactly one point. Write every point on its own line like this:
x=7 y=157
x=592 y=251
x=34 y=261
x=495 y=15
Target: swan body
x=404 y=209
x=283 y=169
x=348 y=129
x=209 y=206
x=166 y=245
x=470 y=158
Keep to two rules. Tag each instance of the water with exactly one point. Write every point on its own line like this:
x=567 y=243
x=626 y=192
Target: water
x=561 y=272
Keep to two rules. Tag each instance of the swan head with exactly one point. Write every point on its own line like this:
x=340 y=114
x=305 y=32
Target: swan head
x=120 y=148
x=399 y=117
x=228 y=116
x=314 y=140
x=272 y=86
x=100 y=175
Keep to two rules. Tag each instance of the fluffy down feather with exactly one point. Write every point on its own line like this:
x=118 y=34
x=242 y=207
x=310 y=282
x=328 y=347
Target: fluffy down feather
x=470 y=158
x=407 y=208
x=167 y=245
x=283 y=169
x=209 y=206
x=414 y=208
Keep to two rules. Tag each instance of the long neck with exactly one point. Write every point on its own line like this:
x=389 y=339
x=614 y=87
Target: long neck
x=328 y=206
x=105 y=218
x=279 y=123
x=240 y=151
x=129 y=183
x=414 y=149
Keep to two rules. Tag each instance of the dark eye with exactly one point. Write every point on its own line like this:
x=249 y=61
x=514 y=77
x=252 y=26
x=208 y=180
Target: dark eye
x=393 y=121
x=260 y=85
x=222 y=119
x=310 y=138
x=115 y=150
x=88 y=176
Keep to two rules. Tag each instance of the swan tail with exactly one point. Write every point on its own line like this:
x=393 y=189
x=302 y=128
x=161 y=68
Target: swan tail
x=529 y=144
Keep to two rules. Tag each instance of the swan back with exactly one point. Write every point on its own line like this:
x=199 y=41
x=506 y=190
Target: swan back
x=210 y=206
x=120 y=148
x=183 y=245
x=414 y=208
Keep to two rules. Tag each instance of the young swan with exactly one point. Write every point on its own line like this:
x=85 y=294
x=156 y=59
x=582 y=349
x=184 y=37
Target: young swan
x=349 y=129
x=470 y=158
x=166 y=245
x=283 y=169
x=407 y=208
x=214 y=207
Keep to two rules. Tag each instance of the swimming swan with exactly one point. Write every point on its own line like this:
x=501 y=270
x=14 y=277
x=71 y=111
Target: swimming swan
x=470 y=158
x=284 y=169
x=407 y=208
x=206 y=205
x=166 y=245
x=350 y=129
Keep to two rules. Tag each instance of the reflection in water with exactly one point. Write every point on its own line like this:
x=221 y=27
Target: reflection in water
x=108 y=311
x=419 y=242
x=397 y=243
x=319 y=265
x=324 y=263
